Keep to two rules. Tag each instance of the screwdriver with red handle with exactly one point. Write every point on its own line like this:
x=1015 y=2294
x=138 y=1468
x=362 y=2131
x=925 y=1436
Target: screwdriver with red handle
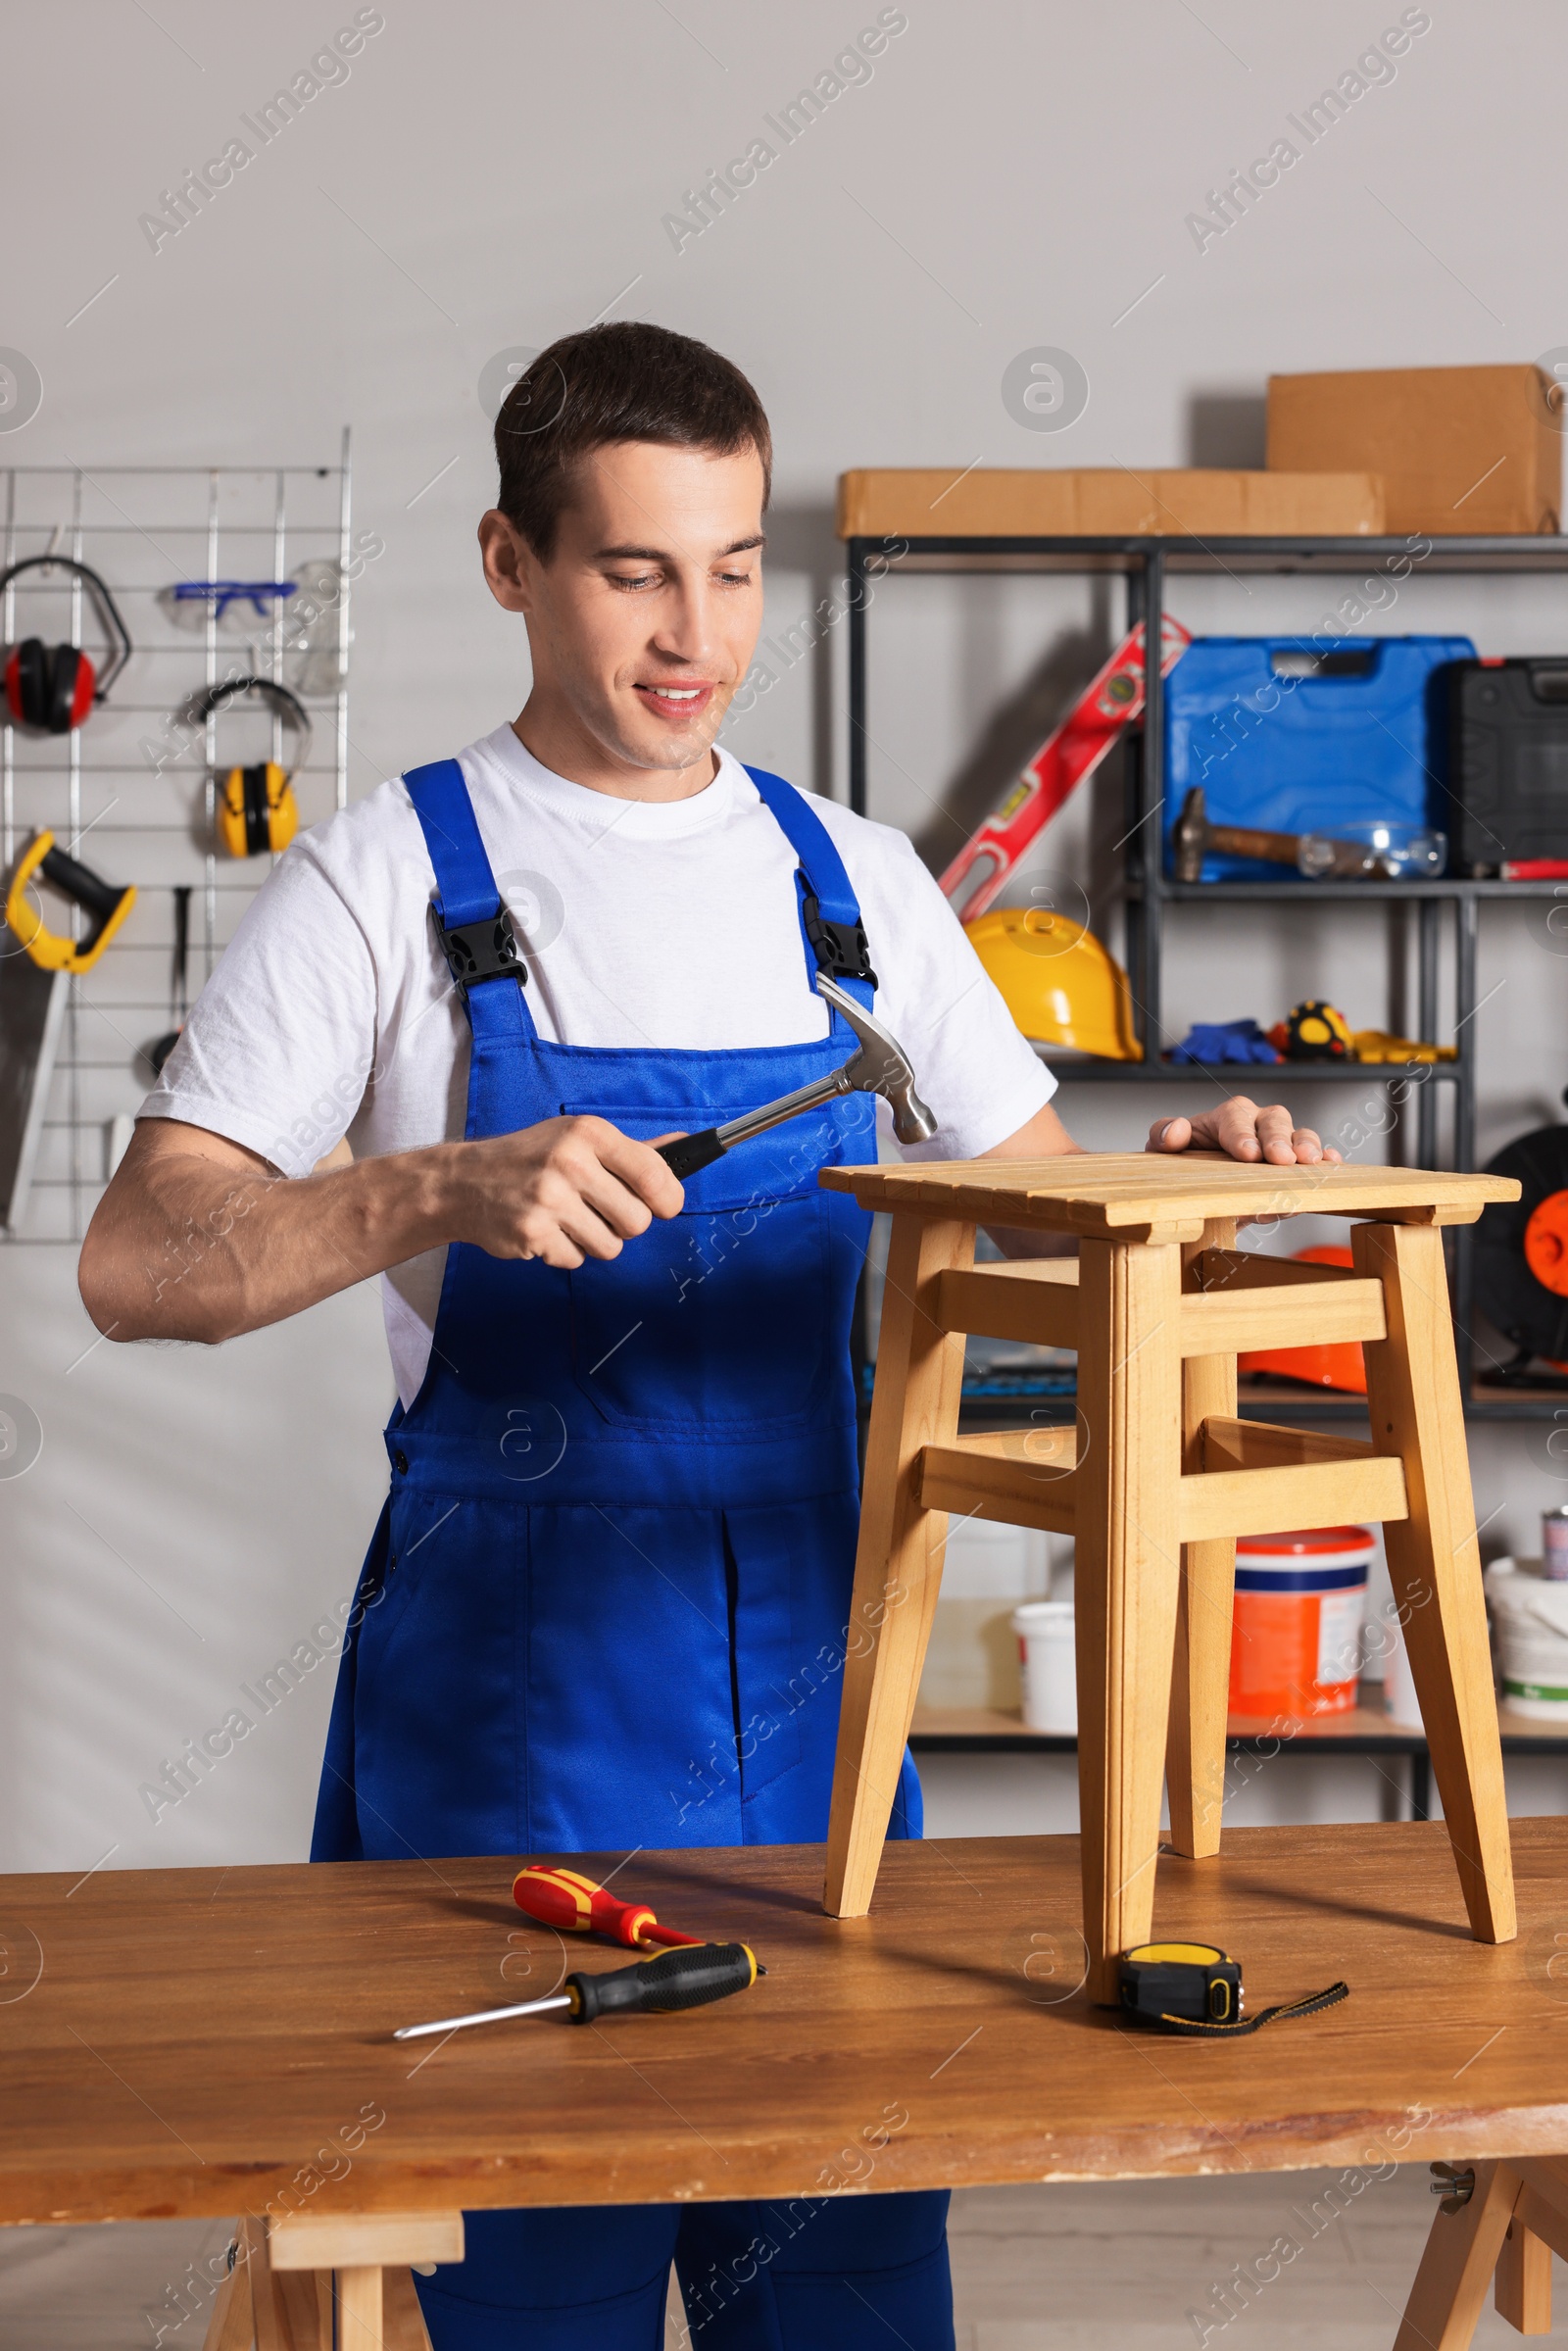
x=577 y=1906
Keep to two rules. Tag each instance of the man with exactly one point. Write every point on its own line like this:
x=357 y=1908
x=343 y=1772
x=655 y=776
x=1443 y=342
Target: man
x=623 y=1474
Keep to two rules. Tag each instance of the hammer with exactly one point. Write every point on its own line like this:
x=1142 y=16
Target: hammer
x=876 y=1066
x=1195 y=837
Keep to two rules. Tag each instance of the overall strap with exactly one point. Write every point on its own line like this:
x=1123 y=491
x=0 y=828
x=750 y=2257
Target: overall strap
x=831 y=929
x=473 y=925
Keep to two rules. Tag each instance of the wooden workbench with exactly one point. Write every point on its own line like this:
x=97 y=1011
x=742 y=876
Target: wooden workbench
x=196 y=2039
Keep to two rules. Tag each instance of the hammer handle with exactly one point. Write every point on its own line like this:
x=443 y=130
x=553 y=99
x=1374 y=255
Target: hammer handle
x=688 y=1152
x=1244 y=841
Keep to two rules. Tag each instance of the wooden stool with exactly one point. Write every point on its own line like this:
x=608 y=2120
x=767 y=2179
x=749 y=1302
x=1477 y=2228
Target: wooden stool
x=1160 y=1478
x=280 y=2295
x=1500 y=2220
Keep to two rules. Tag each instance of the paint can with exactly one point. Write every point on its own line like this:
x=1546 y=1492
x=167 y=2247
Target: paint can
x=1295 y=1639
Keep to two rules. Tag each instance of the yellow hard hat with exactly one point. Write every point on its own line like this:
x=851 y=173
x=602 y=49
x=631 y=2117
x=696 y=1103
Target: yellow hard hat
x=1057 y=981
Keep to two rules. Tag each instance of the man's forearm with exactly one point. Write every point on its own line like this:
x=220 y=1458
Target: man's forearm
x=199 y=1248
x=199 y=1239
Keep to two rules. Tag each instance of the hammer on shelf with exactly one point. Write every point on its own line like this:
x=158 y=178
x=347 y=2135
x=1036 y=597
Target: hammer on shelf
x=878 y=1065
x=1195 y=837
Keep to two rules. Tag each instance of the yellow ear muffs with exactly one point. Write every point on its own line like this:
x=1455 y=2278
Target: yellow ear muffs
x=257 y=811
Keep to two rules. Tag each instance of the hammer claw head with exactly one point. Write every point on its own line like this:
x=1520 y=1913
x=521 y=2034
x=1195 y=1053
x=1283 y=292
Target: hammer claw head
x=880 y=1066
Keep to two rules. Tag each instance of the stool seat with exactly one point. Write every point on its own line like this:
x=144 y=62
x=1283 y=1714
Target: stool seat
x=1159 y=1476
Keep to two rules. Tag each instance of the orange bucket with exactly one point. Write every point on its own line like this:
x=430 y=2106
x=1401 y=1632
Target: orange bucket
x=1295 y=1638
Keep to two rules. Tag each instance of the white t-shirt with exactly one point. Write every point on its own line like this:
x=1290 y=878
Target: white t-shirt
x=661 y=924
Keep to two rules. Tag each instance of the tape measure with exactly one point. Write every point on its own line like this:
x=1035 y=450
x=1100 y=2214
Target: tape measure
x=1196 y=1988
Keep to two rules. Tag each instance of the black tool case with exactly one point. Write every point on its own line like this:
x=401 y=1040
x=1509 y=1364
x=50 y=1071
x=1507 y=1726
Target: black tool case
x=1507 y=762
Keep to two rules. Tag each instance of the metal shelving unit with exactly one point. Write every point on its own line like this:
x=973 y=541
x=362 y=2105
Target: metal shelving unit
x=1367 y=1732
x=1146 y=565
x=1085 y=1072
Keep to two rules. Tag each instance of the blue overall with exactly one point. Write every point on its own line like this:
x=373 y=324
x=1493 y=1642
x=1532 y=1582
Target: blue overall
x=606 y=1603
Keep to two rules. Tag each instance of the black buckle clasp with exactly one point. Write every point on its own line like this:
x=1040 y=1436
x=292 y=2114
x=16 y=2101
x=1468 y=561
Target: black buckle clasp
x=486 y=950
x=841 y=949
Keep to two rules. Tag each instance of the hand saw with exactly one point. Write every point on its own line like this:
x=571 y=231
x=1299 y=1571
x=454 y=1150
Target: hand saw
x=1071 y=751
x=36 y=969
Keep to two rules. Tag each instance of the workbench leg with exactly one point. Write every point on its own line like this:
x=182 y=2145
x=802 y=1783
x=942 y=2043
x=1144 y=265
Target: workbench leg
x=1538 y=2230
x=898 y=1567
x=270 y=2317
x=1461 y=2253
x=359 y=2309
x=1126 y=1579
x=402 y=2318
x=1435 y=1560
x=233 y=2325
x=1523 y=2288
x=305 y=2296
x=1200 y=1684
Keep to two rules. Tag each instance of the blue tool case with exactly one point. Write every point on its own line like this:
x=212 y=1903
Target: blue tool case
x=1306 y=734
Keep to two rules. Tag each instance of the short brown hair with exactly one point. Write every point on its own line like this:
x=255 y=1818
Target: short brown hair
x=627 y=381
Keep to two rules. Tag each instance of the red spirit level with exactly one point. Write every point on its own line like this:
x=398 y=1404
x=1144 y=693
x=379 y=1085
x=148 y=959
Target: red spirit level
x=1073 y=750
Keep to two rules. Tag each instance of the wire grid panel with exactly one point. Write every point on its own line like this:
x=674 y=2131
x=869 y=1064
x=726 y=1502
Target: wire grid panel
x=133 y=792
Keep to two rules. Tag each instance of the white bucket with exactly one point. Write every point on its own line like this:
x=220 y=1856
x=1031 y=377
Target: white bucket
x=1529 y=1614
x=1399 y=1701
x=1048 y=1652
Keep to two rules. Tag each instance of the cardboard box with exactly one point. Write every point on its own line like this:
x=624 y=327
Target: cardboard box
x=1462 y=450
x=1105 y=501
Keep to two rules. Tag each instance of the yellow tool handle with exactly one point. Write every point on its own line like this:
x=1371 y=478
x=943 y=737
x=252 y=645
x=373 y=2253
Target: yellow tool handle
x=50 y=949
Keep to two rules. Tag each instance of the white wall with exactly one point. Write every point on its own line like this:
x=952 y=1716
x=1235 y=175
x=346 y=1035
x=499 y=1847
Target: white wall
x=491 y=175
x=190 y=1522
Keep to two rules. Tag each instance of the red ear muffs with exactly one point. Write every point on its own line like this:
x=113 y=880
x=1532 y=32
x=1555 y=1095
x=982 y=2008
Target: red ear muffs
x=54 y=687
x=49 y=686
x=75 y=688
x=23 y=679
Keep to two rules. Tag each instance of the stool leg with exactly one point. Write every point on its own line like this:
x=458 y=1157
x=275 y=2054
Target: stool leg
x=1126 y=1579
x=1200 y=1683
x=898 y=1567
x=1435 y=1561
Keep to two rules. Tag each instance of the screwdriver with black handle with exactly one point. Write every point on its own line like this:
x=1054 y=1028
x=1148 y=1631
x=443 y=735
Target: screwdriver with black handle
x=680 y=1979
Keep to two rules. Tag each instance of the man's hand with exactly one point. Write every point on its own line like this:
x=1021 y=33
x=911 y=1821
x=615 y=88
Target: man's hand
x=1237 y=1127
x=1242 y=1131
x=565 y=1190
x=197 y=1238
